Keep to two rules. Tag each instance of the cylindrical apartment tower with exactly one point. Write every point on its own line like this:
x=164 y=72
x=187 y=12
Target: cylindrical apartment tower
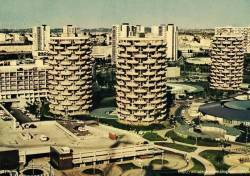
x=70 y=76
x=227 y=62
x=141 y=80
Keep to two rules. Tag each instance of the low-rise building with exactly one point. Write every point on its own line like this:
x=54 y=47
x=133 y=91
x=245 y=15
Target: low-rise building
x=173 y=72
x=22 y=81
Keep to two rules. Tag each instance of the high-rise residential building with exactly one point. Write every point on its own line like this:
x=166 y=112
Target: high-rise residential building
x=227 y=62
x=172 y=33
x=140 y=28
x=69 y=31
x=21 y=81
x=114 y=42
x=162 y=30
x=244 y=31
x=41 y=38
x=141 y=79
x=169 y=32
x=155 y=30
x=70 y=75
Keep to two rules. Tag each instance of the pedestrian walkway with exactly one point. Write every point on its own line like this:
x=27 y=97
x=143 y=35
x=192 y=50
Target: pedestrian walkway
x=210 y=169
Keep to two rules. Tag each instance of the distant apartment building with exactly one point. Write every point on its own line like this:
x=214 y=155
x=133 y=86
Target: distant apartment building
x=69 y=31
x=227 y=62
x=172 y=33
x=12 y=38
x=244 y=31
x=41 y=38
x=20 y=81
x=141 y=79
x=70 y=75
x=169 y=32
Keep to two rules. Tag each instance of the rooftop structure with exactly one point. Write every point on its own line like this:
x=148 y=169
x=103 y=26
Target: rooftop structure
x=141 y=76
x=230 y=112
x=70 y=75
x=67 y=137
x=227 y=62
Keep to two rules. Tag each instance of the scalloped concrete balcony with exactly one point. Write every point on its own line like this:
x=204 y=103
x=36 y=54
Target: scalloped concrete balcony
x=134 y=94
x=65 y=42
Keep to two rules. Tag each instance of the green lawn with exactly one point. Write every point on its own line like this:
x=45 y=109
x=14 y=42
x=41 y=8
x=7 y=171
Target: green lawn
x=216 y=158
x=103 y=113
x=159 y=161
x=177 y=146
x=200 y=142
x=127 y=166
x=171 y=134
x=152 y=136
x=107 y=102
x=198 y=167
x=93 y=172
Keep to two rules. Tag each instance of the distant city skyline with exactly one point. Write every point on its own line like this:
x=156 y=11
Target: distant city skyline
x=105 y=13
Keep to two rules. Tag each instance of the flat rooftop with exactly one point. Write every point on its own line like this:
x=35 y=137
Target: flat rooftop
x=29 y=140
x=218 y=110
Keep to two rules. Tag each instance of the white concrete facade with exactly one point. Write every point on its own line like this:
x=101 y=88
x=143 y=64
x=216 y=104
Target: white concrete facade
x=227 y=62
x=22 y=81
x=168 y=32
x=244 y=31
x=141 y=80
x=172 y=44
x=41 y=38
x=69 y=31
x=70 y=75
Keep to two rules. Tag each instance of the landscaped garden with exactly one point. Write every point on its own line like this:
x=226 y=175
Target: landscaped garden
x=159 y=161
x=216 y=158
x=198 y=167
x=151 y=136
x=104 y=113
x=192 y=140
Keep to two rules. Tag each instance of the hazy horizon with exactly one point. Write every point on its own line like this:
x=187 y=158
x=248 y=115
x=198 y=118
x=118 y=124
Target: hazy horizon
x=189 y=14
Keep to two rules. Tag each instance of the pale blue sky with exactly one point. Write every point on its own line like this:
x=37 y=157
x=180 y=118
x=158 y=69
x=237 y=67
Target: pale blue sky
x=104 y=13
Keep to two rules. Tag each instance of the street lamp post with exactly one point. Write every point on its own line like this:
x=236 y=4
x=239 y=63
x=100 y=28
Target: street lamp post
x=32 y=167
x=141 y=163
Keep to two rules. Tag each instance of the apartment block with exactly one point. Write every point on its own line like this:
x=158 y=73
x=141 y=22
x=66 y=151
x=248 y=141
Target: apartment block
x=227 y=62
x=69 y=31
x=70 y=75
x=41 y=38
x=141 y=79
x=244 y=31
x=168 y=32
x=172 y=43
x=19 y=81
